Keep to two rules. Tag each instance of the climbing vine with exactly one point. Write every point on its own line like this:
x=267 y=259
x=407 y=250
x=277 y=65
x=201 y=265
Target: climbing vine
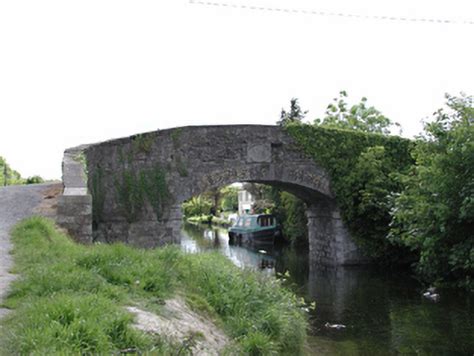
x=363 y=169
x=136 y=188
x=181 y=167
x=98 y=194
x=142 y=143
x=175 y=136
x=82 y=159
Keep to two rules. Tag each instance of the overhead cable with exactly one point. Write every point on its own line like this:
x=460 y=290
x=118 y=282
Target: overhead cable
x=333 y=14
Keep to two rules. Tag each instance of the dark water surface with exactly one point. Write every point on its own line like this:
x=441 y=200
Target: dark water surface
x=384 y=312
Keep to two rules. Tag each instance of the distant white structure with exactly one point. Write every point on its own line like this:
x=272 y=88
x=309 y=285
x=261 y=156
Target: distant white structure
x=246 y=201
x=232 y=218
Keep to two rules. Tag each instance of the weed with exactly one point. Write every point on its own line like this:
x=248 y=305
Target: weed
x=70 y=298
x=142 y=143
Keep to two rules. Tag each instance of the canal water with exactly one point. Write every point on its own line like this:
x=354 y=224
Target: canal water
x=384 y=313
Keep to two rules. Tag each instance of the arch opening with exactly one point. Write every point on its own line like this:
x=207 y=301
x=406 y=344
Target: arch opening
x=139 y=183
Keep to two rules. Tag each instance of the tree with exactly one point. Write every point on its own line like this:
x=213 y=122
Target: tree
x=197 y=206
x=7 y=175
x=296 y=114
x=34 y=180
x=293 y=214
x=359 y=117
x=434 y=215
x=229 y=199
x=214 y=196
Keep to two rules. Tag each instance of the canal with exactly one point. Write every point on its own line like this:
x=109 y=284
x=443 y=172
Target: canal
x=384 y=313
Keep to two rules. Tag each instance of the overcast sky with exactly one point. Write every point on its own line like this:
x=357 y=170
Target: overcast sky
x=74 y=72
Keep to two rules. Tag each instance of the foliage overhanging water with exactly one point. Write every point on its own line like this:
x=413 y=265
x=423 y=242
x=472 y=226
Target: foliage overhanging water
x=384 y=312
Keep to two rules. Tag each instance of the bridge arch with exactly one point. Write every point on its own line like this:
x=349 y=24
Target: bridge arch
x=138 y=183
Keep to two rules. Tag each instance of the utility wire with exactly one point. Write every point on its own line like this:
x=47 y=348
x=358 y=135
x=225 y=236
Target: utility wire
x=332 y=14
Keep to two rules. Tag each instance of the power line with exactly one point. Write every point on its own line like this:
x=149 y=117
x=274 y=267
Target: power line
x=331 y=14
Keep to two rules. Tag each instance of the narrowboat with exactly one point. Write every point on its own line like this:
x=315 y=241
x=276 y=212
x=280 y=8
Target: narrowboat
x=260 y=228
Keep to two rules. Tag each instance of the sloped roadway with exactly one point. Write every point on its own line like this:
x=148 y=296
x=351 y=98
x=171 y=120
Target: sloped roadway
x=16 y=203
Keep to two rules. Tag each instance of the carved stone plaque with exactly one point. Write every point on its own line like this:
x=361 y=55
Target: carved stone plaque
x=259 y=153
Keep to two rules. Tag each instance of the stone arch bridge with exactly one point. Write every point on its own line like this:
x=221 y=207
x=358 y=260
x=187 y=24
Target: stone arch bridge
x=131 y=189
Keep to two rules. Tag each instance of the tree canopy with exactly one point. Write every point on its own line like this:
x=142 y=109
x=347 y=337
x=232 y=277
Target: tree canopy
x=434 y=214
x=8 y=176
x=358 y=117
x=296 y=114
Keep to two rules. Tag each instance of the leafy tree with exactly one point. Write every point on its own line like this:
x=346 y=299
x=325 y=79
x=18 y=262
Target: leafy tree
x=359 y=117
x=229 y=199
x=8 y=176
x=214 y=196
x=294 y=221
x=34 y=180
x=197 y=206
x=296 y=114
x=434 y=215
x=371 y=183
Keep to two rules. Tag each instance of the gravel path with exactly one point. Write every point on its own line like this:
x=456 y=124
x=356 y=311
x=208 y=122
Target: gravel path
x=16 y=203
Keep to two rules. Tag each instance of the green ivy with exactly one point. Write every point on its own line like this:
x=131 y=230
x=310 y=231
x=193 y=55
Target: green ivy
x=362 y=169
x=135 y=188
x=142 y=143
x=82 y=159
x=175 y=135
x=154 y=181
x=98 y=194
x=181 y=167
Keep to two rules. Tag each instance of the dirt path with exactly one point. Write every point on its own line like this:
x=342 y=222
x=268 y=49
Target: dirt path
x=17 y=203
x=182 y=325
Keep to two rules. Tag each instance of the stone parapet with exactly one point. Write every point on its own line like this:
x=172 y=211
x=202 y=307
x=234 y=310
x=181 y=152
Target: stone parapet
x=75 y=205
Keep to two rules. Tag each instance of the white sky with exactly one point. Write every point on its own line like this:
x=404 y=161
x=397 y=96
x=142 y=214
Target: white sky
x=74 y=72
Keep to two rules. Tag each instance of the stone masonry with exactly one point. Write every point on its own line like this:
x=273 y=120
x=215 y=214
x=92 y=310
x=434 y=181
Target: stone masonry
x=75 y=205
x=194 y=160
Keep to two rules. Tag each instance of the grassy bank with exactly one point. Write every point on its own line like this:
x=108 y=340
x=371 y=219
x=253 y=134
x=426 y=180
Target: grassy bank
x=70 y=298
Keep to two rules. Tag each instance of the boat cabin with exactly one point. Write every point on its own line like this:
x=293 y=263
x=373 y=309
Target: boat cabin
x=255 y=228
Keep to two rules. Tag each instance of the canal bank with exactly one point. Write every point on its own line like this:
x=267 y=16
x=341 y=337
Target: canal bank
x=76 y=299
x=384 y=311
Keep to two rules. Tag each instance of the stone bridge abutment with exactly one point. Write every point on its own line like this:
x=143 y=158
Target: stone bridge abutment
x=135 y=186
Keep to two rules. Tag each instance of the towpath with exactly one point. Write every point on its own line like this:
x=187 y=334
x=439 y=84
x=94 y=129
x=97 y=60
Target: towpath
x=17 y=203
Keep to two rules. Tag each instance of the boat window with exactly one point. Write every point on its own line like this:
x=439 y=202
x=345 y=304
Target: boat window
x=266 y=221
x=248 y=221
x=240 y=222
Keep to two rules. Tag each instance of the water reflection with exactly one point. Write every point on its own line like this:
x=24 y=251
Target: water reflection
x=384 y=312
x=197 y=239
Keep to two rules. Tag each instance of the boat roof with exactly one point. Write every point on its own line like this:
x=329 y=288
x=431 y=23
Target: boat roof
x=255 y=215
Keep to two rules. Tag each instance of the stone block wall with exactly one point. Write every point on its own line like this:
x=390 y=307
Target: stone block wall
x=75 y=205
x=329 y=240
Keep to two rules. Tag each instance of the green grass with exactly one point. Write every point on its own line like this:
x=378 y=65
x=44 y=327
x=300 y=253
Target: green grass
x=70 y=298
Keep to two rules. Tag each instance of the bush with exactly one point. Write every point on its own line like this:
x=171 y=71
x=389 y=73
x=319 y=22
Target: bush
x=34 y=180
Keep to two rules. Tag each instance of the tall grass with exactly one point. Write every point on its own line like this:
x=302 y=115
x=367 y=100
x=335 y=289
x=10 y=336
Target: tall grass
x=70 y=298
